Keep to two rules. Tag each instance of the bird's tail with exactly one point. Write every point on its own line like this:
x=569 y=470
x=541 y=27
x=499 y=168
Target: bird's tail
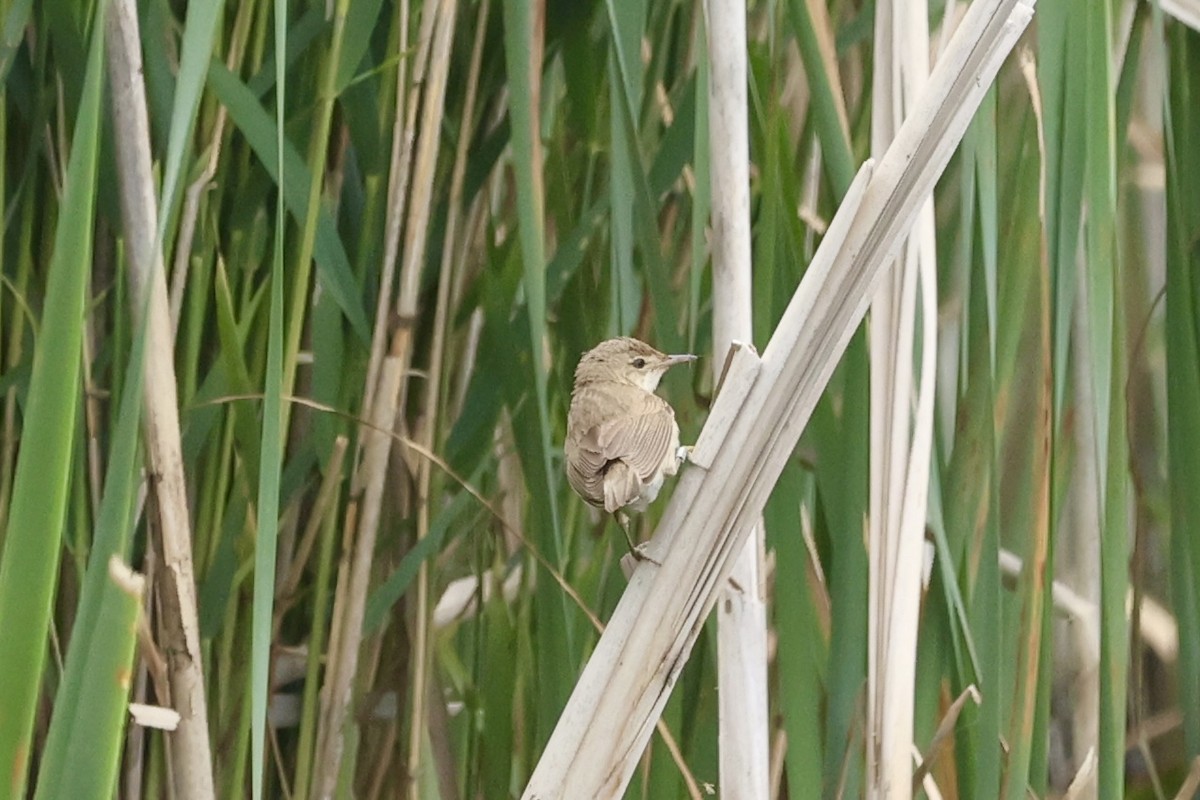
x=622 y=486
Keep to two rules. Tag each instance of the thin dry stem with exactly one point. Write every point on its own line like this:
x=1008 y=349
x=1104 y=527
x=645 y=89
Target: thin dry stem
x=416 y=239
x=404 y=132
x=743 y=718
x=900 y=443
x=191 y=758
x=316 y=520
x=350 y=604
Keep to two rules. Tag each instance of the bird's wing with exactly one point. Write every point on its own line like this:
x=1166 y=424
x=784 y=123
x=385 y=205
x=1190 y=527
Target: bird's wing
x=617 y=458
x=643 y=441
x=585 y=470
x=609 y=463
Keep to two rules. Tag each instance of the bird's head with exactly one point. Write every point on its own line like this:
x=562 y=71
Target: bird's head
x=626 y=360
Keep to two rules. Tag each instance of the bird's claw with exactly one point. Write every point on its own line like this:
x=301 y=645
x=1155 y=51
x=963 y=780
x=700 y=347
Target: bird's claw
x=637 y=555
x=684 y=453
x=642 y=553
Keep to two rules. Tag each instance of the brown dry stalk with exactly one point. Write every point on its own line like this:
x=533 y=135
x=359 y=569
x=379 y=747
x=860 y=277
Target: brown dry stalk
x=179 y=633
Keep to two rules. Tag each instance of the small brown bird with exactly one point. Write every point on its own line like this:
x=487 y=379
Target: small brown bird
x=622 y=439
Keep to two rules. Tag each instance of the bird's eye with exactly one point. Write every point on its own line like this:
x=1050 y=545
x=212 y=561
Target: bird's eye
x=638 y=363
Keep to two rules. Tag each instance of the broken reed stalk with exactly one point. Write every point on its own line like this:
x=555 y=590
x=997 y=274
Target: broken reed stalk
x=754 y=426
x=178 y=623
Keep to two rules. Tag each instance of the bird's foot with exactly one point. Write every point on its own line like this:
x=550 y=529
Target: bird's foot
x=636 y=556
x=684 y=453
x=639 y=552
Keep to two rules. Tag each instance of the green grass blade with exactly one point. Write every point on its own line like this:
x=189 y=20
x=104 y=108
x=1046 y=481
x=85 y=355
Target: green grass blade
x=555 y=636
x=1107 y=330
x=237 y=372
x=803 y=648
x=14 y=31
x=628 y=21
x=838 y=159
x=640 y=198
x=1062 y=67
x=361 y=20
x=1182 y=126
x=972 y=514
x=842 y=500
x=29 y=563
x=524 y=77
x=84 y=764
x=198 y=36
x=94 y=643
x=333 y=266
x=267 y=528
x=388 y=593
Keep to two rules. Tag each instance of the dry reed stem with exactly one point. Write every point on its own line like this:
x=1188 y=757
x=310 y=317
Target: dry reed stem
x=189 y=748
x=943 y=736
x=901 y=443
x=1083 y=786
x=404 y=132
x=353 y=579
x=602 y=732
x=422 y=655
x=384 y=394
x=743 y=716
x=1186 y=11
x=415 y=241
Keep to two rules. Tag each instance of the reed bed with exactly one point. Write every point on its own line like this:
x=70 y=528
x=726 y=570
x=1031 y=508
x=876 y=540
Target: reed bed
x=291 y=296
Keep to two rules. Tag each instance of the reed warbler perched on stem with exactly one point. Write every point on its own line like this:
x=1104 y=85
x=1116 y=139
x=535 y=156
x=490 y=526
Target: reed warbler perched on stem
x=622 y=439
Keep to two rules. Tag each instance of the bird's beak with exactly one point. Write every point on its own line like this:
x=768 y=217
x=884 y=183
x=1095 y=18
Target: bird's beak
x=679 y=359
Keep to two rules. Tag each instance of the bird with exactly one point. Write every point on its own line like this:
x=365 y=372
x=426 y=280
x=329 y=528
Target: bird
x=622 y=439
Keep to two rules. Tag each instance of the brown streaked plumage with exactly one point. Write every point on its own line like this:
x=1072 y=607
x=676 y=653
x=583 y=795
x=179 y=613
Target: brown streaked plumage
x=622 y=439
